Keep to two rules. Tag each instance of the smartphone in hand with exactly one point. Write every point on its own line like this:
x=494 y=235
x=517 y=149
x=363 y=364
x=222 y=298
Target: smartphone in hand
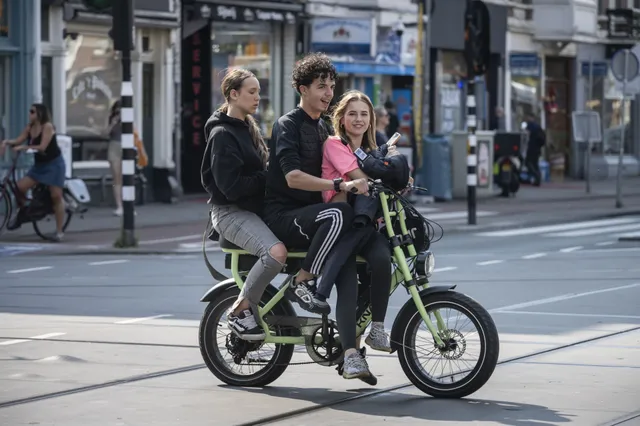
x=394 y=139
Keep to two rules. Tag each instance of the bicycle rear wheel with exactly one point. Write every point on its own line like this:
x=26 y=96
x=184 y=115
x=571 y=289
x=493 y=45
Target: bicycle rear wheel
x=46 y=226
x=6 y=207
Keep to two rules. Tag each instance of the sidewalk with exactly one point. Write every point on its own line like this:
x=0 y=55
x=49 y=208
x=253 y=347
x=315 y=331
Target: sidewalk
x=164 y=227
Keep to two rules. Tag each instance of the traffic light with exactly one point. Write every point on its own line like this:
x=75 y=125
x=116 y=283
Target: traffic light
x=477 y=39
x=97 y=6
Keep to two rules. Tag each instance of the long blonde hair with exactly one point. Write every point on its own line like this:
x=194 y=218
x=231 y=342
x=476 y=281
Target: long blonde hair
x=233 y=81
x=369 y=139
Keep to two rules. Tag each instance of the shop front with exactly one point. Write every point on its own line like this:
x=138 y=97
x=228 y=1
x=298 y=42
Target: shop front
x=598 y=90
x=366 y=57
x=218 y=36
x=523 y=77
x=448 y=68
x=93 y=75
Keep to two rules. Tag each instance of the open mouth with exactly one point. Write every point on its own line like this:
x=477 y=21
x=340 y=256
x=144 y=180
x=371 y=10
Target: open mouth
x=325 y=103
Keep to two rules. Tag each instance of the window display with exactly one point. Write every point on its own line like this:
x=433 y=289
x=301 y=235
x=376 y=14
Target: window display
x=245 y=46
x=94 y=76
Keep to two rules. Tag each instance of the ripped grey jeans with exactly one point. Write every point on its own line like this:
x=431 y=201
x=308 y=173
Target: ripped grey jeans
x=247 y=230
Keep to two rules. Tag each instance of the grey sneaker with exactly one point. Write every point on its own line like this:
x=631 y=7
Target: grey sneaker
x=303 y=293
x=355 y=367
x=378 y=340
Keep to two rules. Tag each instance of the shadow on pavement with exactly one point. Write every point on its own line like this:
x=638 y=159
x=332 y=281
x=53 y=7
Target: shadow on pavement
x=401 y=405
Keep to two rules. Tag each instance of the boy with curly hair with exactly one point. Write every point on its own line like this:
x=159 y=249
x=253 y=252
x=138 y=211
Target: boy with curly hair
x=294 y=208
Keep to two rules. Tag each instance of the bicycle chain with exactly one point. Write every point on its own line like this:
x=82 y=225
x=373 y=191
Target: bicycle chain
x=307 y=362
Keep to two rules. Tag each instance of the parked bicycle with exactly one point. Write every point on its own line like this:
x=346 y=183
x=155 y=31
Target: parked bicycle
x=39 y=208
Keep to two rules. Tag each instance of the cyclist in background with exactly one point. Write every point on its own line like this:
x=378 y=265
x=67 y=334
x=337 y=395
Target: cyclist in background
x=49 y=167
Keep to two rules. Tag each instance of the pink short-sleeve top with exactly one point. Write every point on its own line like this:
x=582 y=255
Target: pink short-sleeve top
x=337 y=161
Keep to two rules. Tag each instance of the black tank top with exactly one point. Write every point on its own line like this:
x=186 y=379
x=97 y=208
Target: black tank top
x=51 y=153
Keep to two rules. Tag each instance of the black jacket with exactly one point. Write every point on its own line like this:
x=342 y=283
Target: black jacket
x=296 y=144
x=232 y=171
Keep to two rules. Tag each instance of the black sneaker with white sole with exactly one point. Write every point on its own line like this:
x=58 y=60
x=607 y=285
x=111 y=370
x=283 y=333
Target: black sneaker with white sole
x=303 y=294
x=245 y=326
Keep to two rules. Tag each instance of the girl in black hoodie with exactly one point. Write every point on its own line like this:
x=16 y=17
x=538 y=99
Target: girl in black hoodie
x=233 y=173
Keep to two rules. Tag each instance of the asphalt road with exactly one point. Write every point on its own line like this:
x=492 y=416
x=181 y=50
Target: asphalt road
x=68 y=323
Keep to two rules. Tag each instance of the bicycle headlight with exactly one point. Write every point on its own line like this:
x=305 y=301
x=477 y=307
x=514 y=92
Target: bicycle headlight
x=425 y=263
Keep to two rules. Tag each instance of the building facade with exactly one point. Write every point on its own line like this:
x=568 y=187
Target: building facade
x=63 y=57
x=555 y=69
x=218 y=35
x=85 y=64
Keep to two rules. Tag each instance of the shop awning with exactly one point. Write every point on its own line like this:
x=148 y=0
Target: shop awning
x=365 y=64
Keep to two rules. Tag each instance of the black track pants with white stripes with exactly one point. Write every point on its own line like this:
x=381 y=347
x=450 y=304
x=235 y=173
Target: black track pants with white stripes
x=315 y=228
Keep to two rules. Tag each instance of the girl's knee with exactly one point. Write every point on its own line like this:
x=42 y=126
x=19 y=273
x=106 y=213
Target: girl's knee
x=279 y=253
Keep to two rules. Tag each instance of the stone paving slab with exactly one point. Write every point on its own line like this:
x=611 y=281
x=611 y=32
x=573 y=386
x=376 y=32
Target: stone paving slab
x=587 y=386
x=198 y=397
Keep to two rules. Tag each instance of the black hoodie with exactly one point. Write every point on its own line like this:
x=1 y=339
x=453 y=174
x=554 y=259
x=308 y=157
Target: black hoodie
x=232 y=170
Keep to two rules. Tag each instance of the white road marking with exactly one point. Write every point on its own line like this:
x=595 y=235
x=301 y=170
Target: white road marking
x=135 y=320
x=629 y=235
x=596 y=231
x=37 y=268
x=565 y=297
x=196 y=247
x=171 y=240
x=457 y=215
x=42 y=336
x=605 y=243
x=571 y=249
x=489 y=262
x=612 y=250
x=445 y=269
x=554 y=228
x=567 y=314
x=108 y=262
x=534 y=256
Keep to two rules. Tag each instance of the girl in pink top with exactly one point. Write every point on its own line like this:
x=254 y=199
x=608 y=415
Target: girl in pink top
x=354 y=124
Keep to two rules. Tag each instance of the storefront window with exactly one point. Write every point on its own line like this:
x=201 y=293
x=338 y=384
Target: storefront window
x=524 y=99
x=613 y=120
x=93 y=82
x=245 y=46
x=4 y=18
x=454 y=70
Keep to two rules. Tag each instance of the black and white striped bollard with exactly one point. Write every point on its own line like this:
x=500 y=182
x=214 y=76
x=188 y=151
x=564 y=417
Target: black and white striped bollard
x=472 y=157
x=127 y=237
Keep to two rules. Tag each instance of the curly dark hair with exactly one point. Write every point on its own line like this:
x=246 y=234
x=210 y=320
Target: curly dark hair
x=312 y=66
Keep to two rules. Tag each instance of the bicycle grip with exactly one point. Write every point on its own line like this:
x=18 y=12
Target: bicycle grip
x=354 y=189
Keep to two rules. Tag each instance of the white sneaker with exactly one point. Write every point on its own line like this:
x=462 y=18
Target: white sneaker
x=245 y=326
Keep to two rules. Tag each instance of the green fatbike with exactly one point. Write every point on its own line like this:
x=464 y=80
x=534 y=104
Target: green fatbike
x=246 y=365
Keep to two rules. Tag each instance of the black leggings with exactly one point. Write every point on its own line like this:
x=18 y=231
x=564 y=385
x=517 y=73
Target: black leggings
x=315 y=228
x=374 y=248
x=347 y=287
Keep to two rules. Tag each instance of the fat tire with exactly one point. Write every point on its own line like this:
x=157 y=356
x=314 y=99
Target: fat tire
x=265 y=376
x=489 y=352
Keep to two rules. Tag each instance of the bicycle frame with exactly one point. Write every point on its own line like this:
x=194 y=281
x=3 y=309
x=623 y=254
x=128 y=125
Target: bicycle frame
x=401 y=274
